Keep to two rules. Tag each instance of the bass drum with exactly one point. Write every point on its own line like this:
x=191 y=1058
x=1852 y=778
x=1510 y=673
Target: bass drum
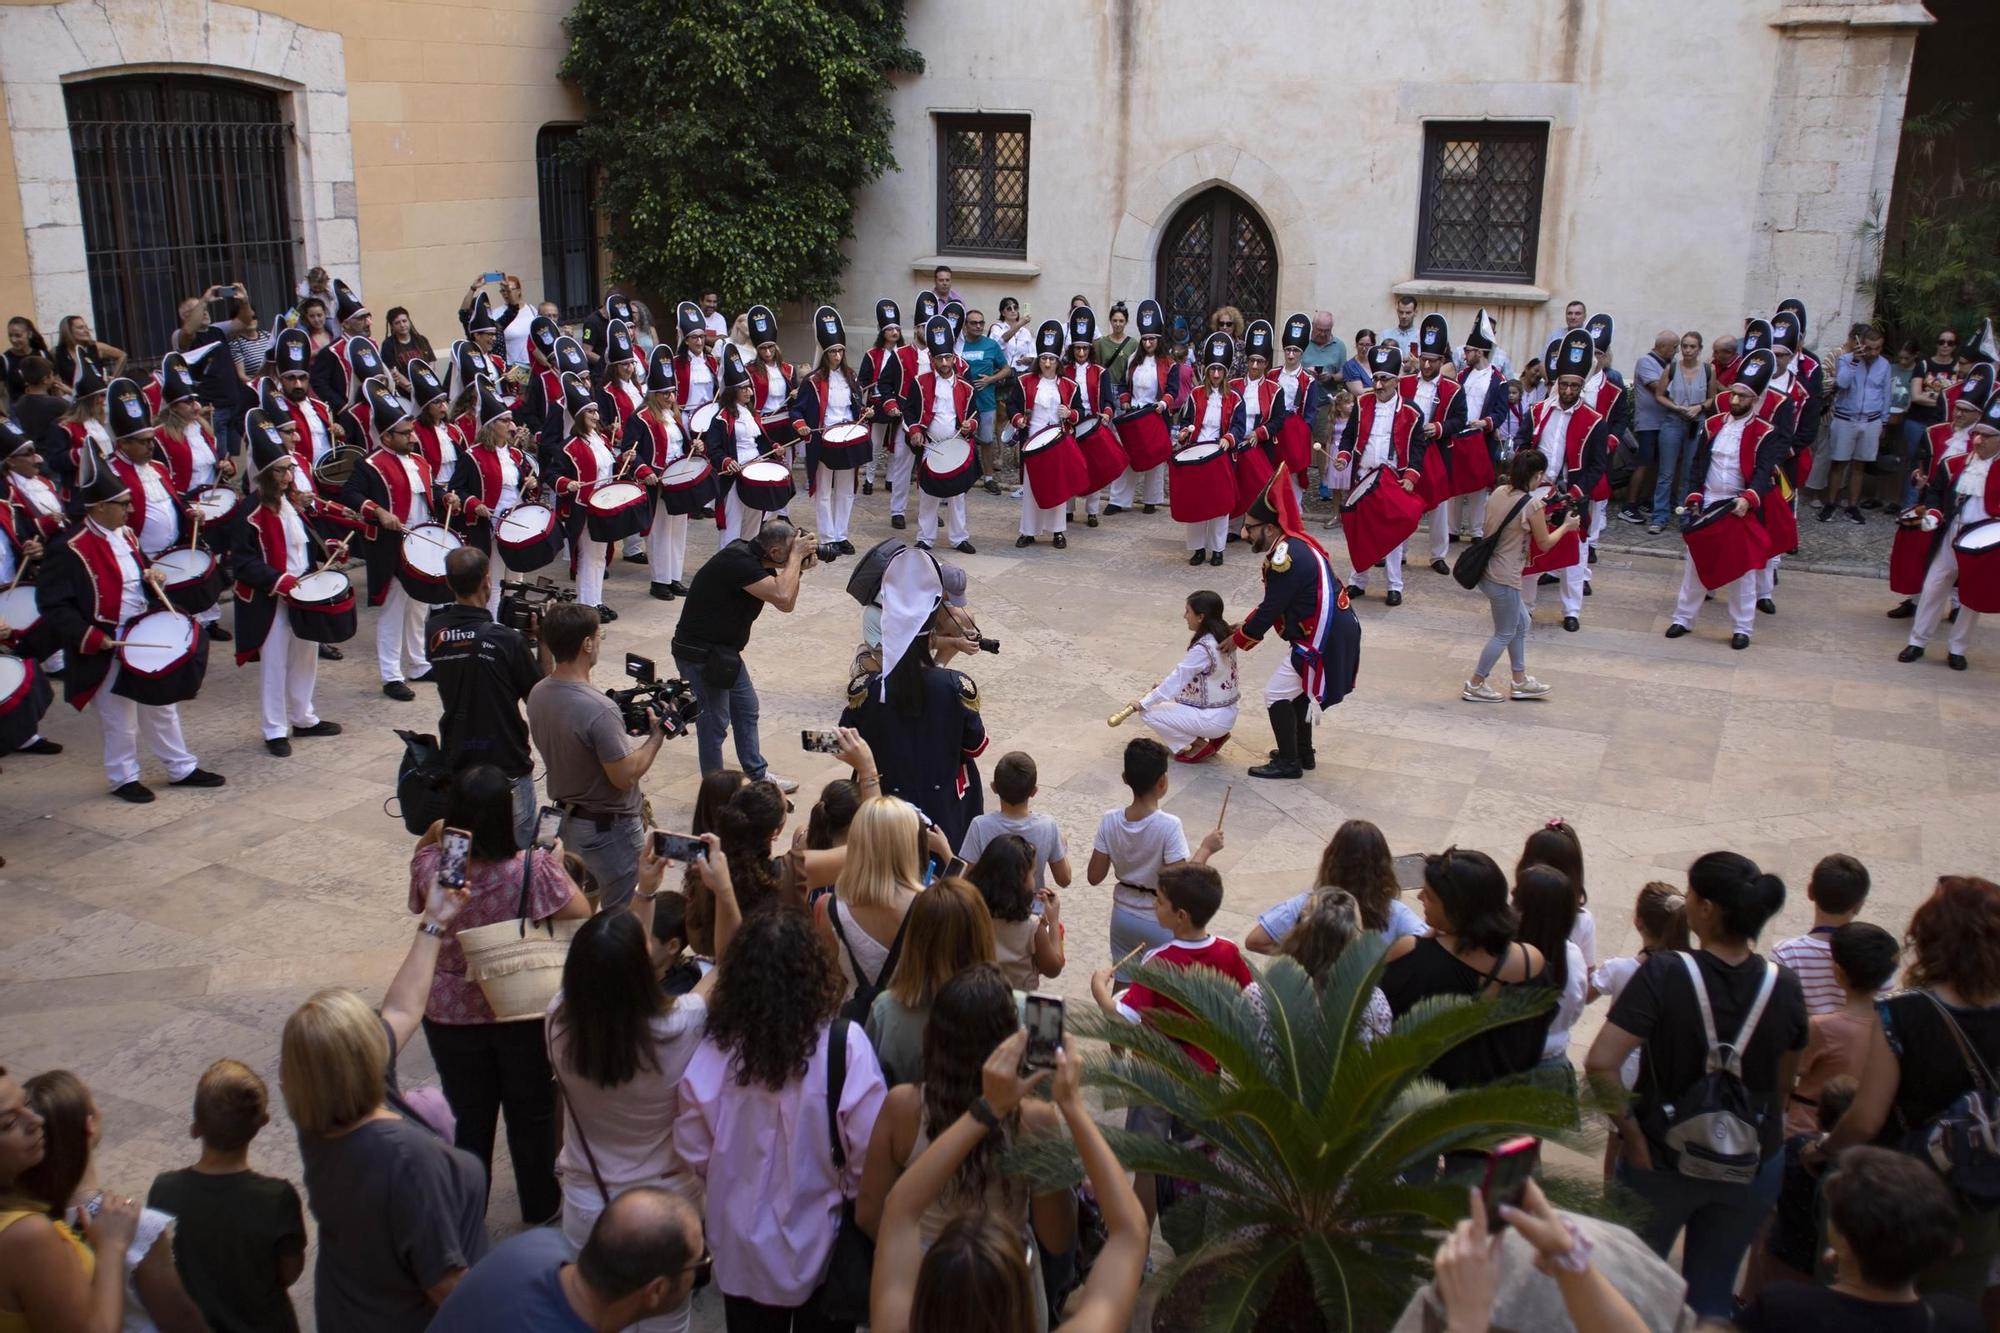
x=162 y=659
x=1378 y=516
x=687 y=486
x=321 y=607
x=528 y=537
x=25 y=696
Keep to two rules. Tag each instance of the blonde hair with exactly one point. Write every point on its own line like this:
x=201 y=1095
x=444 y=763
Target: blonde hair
x=881 y=853
x=333 y=1061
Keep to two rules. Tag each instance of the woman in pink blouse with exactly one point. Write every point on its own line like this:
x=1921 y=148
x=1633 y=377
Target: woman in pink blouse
x=488 y=1066
x=753 y=1124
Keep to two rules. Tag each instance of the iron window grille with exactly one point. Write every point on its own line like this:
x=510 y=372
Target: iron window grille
x=1481 y=213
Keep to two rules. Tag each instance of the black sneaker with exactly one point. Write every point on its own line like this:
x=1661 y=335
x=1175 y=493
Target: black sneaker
x=200 y=777
x=1631 y=515
x=1825 y=514
x=135 y=791
x=1855 y=515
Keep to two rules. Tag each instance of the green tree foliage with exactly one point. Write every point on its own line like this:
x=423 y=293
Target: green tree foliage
x=1943 y=269
x=729 y=136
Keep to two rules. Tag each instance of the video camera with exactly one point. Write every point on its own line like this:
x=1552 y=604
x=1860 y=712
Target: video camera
x=522 y=603
x=672 y=701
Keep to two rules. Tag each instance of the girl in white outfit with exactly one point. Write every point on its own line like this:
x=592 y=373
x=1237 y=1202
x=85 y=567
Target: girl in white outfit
x=1194 y=708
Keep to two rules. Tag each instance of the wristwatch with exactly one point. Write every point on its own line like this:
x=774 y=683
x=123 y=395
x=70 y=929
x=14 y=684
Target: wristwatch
x=982 y=1111
x=431 y=928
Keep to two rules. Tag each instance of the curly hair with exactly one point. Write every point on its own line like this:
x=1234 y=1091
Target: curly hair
x=1954 y=938
x=1357 y=859
x=972 y=1013
x=776 y=988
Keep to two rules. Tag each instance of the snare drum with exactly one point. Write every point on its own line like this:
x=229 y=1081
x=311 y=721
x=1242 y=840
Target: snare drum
x=420 y=568
x=162 y=657
x=778 y=428
x=703 y=417
x=321 y=607
x=1147 y=440
x=1254 y=470
x=1055 y=467
x=528 y=537
x=1910 y=553
x=765 y=485
x=1294 y=445
x=1723 y=544
x=1103 y=456
x=687 y=486
x=1377 y=516
x=25 y=696
x=1978 y=552
x=616 y=510
x=848 y=445
x=194 y=578
x=27 y=633
x=221 y=509
x=1201 y=486
x=948 y=468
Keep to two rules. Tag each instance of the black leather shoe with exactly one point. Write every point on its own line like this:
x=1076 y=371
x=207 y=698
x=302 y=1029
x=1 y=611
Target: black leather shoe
x=1593 y=555
x=1546 y=580
x=1355 y=592
x=677 y=588
x=1150 y=509
x=1023 y=540
x=923 y=546
x=329 y=653
x=1306 y=758
x=1276 y=769
x=279 y=746
x=846 y=546
x=897 y=522
x=398 y=691
x=868 y=488
x=1676 y=631
x=1060 y=541
x=636 y=559
x=661 y=591
x=1910 y=653
x=42 y=745
x=1572 y=624
x=1903 y=610
x=1197 y=558
x=1954 y=661
x=966 y=548
x=220 y=635
x=200 y=777
x=1440 y=567
x=1090 y=520
x=1215 y=557
x=1113 y=509
x=1739 y=641
x=1393 y=599
x=605 y=614
x=1767 y=606
x=1588 y=591
x=138 y=793
x=319 y=728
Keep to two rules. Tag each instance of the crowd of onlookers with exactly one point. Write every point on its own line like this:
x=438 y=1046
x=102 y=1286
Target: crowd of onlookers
x=789 y=1057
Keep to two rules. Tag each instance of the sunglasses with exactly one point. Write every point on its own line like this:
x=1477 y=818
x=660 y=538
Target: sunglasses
x=1947 y=342
x=703 y=1269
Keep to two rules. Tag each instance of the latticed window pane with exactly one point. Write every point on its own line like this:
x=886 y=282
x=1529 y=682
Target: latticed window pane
x=569 y=221
x=1482 y=201
x=983 y=185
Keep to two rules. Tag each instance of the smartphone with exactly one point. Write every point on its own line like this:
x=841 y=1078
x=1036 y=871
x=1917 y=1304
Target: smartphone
x=678 y=846
x=451 y=865
x=546 y=825
x=933 y=868
x=1507 y=1171
x=494 y=276
x=823 y=741
x=1045 y=1032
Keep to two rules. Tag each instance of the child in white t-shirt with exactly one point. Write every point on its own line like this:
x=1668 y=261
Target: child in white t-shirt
x=1137 y=843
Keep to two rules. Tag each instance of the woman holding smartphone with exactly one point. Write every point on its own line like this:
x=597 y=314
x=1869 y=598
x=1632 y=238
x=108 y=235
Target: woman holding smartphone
x=488 y=1066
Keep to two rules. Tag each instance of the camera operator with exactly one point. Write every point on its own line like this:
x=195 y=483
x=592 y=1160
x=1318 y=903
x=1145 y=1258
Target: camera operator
x=728 y=593
x=484 y=673
x=588 y=770
x=919 y=717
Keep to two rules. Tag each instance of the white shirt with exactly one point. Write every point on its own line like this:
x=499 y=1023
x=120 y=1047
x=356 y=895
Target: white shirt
x=322 y=439
x=1048 y=401
x=625 y=395
x=1139 y=851
x=515 y=335
x=1020 y=349
x=1958 y=442
x=1426 y=398
x=716 y=324
x=1592 y=382
x=96 y=430
x=1569 y=1007
x=1473 y=386
x=163 y=521
x=748 y=446
x=510 y=482
x=1293 y=383
x=1553 y=439
x=132 y=588
x=1725 y=460
x=700 y=385
x=839 y=401
x=420 y=509
x=1253 y=404
x=1211 y=419
x=1144 y=381
x=1972 y=491
x=1205 y=678
x=1381 y=444
x=296 y=550
x=944 y=410
x=1081 y=374
x=38 y=493
x=201 y=457
x=776 y=391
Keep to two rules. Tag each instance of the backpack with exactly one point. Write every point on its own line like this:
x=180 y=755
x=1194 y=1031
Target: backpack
x=1470 y=567
x=1712 y=1127
x=1962 y=1142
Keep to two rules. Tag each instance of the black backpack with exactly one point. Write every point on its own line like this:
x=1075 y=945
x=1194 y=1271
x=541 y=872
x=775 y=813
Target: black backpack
x=1962 y=1142
x=1714 y=1126
x=1470 y=567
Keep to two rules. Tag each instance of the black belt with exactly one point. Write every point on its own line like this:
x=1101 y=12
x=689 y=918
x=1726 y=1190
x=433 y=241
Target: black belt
x=1136 y=888
x=1855 y=416
x=603 y=821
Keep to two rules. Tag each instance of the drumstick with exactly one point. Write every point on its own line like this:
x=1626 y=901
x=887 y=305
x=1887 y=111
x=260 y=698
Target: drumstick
x=194 y=537
x=1223 y=813
x=21 y=569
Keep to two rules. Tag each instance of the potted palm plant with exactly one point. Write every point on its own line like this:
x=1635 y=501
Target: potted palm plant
x=1315 y=1201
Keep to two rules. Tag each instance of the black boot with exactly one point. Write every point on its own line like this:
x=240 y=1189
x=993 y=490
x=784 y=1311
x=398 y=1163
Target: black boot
x=1302 y=715
x=1285 y=730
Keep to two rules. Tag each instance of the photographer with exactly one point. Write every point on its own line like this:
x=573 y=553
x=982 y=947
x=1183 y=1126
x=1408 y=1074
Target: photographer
x=589 y=771
x=484 y=672
x=727 y=595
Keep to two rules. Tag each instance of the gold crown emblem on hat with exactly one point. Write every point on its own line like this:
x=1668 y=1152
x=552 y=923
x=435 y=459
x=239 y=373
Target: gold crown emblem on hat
x=128 y=398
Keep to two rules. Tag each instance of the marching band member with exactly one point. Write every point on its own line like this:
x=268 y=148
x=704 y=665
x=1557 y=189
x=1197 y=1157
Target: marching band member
x=886 y=374
x=441 y=442
x=1800 y=427
x=584 y=463
x=1434 y=394
x=543 y=393
x=595 y=325
x=619 y=397
x=773 y=383
x=90 y=587
x=180 y=432
x=938 y=407
x=1194 y=709
x=660 y=434
x=78 y=431
x=356 y=415
x=492 y=474
x=696 y=370
x=1382 y=433
x=393 y=490
x=158 y=516
x=1303 y=399
x=734 y=438
x=1304 y=602
x=1096 y=396
x=291 y=353
x=833 y=395
x=336 y=378
x=1961 y=491
x=1208 y=416
x=1047 y=399
x=1576 y=440
x=31 y=522
x=1477 y=419
x=1733 y=459
x=1260 y=414
x=273 y=550
x=1151 y=380
x=1604 y=393
x=482 y=331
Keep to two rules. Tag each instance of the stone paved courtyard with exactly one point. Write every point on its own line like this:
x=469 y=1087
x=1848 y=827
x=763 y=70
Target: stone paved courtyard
x=144 y=942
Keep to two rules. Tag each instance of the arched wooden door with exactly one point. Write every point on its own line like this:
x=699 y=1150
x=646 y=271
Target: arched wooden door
x=1215 y=252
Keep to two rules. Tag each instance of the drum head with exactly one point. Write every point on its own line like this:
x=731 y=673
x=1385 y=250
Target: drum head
x=1041 y=440
x=13 y=675
x=183 y=565
x=1981 y=536
x=616 y=495
x=848 y=432
x=526 y=522
x=425 y=547
x=322 y=585
x=773 y=474
x=157 y=641
x=1197 y=453
x=703 y=417
x=946 y=456
x=1087 y=427
x=684 y=472
x=215 y=502
x=18 y=607
x=1361 y=491
x=775 y=421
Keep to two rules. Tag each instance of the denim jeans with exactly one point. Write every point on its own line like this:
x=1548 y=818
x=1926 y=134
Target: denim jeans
x=1913 y=438
x=1676 y=435
x=525 y=809
x=1720 y=1221
x=1510 y=627
x=720 y=708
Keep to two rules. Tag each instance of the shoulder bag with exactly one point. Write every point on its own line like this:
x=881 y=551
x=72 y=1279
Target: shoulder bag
x=842 y=1297
x=1470 y=567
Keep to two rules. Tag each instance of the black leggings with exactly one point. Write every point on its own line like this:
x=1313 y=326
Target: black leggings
x=490 y=1067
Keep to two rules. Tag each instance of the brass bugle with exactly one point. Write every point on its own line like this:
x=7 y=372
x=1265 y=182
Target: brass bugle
x=1121 y=715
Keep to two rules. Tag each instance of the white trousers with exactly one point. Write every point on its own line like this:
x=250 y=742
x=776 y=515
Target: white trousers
x=833 y=505
x=1210 y=536
x=399 y=633
x=901 y=463
x=592 y=556
x=1181 y=725
x=1939 y=582
x=1740 y=597
x=1597 y=509
x=880 y=434
x=1395 y=572
x=1440 y=529
x=1570 y=589
x=287 y=667
x=1284 y=683
x=1470 y=512
x=1038 y=522
x=123 y=720
x=928 y=506
x=666 y=545
x=1147 y=488
x=635 y=544
x=1094 y=502
x=492 y=596
x=1767 y=577
x=738 y=519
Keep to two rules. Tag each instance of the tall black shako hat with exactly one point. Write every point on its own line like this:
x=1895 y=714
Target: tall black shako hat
x=1384 y=360
x=481 y=319
x=569 y=356
x=1574 y=356
x=1599 y=327
x=577 y=398
x=13 y=440
x=126 y=413
x=688 y=319
x=616 y=306
x=385 y=410
x=926 y=306
x=763 y=326
x=1219 y=350
x=618 y=348
x=1082 y=326
x=1434 y=337
x=828 y=330
x=937 y=336
x=1984 y=349
x=542 y=335
x=887 y=313
x=1976 y=385
x=1757 y=336
x=954 y=315
x=97 y=482
x=291 y=353
x=492 y=407
x=267 y=443
x=1785 y=332
x=1049 y=338
x=176 y=380
x=1989 y=418
x=424 y=384
x=1483 y=335
x=346 y=305
x=1755 y=372
x=1797 y=309
x=660 y=371
x=1298 y=330
x=1257 y=340
x=1152 y=321
x=734 y=374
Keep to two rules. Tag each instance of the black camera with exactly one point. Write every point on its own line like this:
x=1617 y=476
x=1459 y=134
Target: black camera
x=522 y=604
x=989 y=645
x=672 y=701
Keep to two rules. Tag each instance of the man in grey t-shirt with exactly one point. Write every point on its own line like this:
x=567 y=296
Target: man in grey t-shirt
x=593 y=771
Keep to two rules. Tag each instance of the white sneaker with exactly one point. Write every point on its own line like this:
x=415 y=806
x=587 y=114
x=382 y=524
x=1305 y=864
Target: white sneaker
x=785 y=785
x=1482 y=693
x=1530 y=688
x=1014 y=494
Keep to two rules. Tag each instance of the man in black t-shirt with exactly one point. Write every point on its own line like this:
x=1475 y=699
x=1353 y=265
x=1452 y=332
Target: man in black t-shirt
x=722 y=603
x=483 y=672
